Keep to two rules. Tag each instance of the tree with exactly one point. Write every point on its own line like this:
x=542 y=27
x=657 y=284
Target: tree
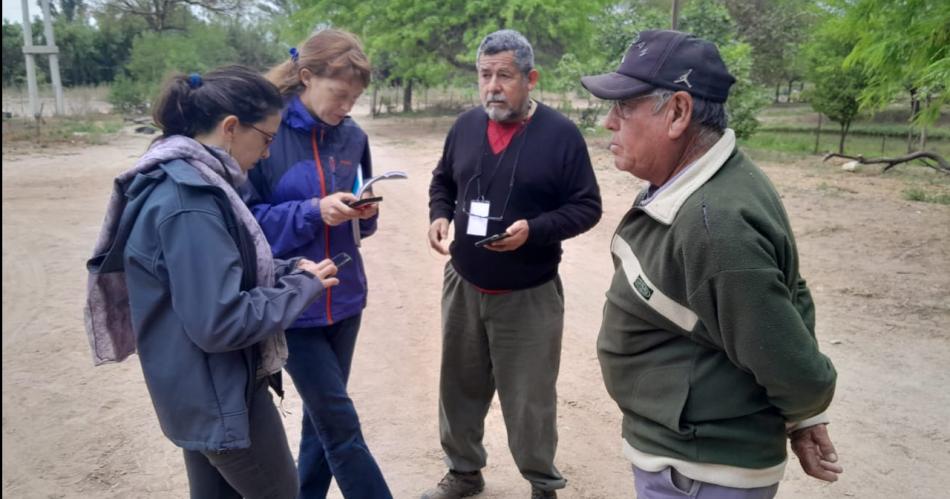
x=167 y=15
x=901 y=47
x=746 y=98
x=155 y=55
x=836 y=87
x=14 y=63
x=710 y=20
x=254 y=44
x=117 y=31
x=78 y=53
x=617 y=26
x=14 y=66
x=776 y=29
x=423 y=41
x=73 y=10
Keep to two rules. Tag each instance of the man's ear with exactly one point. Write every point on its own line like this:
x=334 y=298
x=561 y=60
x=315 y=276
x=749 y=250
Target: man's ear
x=680 y=111
x=533 y=76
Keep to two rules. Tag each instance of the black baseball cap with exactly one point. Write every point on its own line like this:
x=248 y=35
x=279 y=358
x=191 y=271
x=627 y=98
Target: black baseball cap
x=666 y=59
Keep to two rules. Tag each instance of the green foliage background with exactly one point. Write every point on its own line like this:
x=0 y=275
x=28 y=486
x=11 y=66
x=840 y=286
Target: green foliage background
x=857 y=56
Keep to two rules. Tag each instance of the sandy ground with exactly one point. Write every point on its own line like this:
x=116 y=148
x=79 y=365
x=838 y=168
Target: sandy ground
x=879 y=268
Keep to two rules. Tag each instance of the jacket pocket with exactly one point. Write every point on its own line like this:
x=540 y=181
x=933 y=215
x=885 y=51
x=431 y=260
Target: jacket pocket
x=661 y=396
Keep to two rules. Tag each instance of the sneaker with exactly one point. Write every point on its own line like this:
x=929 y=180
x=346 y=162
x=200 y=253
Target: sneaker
x=537 y=493
x=455 y=485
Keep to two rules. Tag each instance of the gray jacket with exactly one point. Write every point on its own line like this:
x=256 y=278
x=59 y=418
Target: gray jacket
x=196 y=311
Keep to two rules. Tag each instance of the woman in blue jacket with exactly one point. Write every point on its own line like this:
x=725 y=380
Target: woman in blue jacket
x=205 y=304
x=300 y=196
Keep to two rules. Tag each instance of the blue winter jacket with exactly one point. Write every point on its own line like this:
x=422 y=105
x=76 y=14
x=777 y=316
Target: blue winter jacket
x=196 y=310
x=284 y=193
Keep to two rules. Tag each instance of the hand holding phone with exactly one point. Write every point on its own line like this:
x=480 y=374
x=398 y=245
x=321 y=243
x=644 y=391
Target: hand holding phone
x=365 y=201
x=491 y=239
x=325 y=271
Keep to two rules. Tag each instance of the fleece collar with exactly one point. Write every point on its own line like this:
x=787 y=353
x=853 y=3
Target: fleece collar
x=667 y=200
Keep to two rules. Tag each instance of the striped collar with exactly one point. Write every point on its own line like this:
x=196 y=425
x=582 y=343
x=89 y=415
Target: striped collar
x=664 y=202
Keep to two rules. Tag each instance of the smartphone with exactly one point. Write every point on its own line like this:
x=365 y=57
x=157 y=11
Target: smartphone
x=491 y=239
x=341 y=259
x=365 y=201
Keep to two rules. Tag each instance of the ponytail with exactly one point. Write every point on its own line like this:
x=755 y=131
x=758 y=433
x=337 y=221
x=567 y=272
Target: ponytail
x=330 y=53
x=192 y=105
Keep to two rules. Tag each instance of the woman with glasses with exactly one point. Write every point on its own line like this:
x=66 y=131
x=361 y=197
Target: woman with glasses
x=301 y=196
x=201 y=299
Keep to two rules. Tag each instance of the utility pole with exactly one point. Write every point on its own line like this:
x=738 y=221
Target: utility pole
x=675 y=15
x=50 y=49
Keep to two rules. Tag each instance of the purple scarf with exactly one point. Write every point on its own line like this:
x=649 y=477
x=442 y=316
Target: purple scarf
x=107 y=316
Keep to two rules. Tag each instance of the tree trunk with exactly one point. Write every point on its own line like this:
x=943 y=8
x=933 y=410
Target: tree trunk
x=844 y=135
x=789 y=97
x=914 y=109
x=923 y=129
x=778 y=90
x=373 y=110
x=818 y=134
x=675 y=14
x=407 y=97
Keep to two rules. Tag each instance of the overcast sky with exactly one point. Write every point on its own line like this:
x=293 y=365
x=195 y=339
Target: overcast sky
x=13 y=10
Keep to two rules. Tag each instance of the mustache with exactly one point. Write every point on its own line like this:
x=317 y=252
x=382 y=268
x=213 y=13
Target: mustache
x=496 y=98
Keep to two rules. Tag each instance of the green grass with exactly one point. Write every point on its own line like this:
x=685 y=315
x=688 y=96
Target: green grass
x=919 y=194
x=91 y=129
x=868 y=146
x=891 y=130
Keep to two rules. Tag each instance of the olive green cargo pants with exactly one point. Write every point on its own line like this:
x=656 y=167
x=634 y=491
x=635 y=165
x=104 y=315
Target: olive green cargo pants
x=510 y=342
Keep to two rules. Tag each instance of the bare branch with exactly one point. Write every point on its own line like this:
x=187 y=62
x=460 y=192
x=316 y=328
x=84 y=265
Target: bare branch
x=942 y=165
x=159 y=14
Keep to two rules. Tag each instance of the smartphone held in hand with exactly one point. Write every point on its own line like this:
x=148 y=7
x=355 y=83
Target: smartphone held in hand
x=491 y=239
x=341 y=259
x=365 y=201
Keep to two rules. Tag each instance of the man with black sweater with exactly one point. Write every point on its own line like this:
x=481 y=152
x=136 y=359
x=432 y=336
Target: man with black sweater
x=518 y=168
x=708 y=338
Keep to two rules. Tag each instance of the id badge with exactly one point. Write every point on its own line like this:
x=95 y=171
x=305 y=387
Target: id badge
x=478 y=218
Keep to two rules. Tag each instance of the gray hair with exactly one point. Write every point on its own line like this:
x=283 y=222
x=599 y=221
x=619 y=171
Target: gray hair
x=508 y=40
x=708 y=115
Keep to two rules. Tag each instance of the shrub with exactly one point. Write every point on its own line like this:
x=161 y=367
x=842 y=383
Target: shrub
x=128 y=96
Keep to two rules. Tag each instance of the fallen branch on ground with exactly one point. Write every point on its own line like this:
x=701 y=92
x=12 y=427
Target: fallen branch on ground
x=941 y=165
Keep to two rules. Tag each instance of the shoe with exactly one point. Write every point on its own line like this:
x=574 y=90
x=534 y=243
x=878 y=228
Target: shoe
x=455 y=485
x=537 y=493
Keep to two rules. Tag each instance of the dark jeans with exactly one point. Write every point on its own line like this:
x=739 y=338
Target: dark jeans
x=331 y=444
x=265 y=470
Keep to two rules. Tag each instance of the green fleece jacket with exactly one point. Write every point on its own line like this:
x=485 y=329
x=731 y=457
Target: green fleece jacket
x=708 y=338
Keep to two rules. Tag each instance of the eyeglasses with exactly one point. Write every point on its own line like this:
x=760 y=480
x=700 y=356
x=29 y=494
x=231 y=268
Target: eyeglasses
x=623 y=109
x=268 y=137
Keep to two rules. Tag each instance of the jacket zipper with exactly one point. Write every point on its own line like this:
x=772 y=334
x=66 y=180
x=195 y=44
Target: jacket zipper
x=326 y=228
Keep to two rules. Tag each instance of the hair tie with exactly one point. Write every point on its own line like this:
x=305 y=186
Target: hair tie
x=294 y=55
x=194 y=80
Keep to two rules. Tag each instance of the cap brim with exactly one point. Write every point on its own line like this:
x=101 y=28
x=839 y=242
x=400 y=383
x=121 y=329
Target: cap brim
x=615 y=86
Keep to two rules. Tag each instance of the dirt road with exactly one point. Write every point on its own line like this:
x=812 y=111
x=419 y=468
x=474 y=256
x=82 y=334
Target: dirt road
x=879 y=268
